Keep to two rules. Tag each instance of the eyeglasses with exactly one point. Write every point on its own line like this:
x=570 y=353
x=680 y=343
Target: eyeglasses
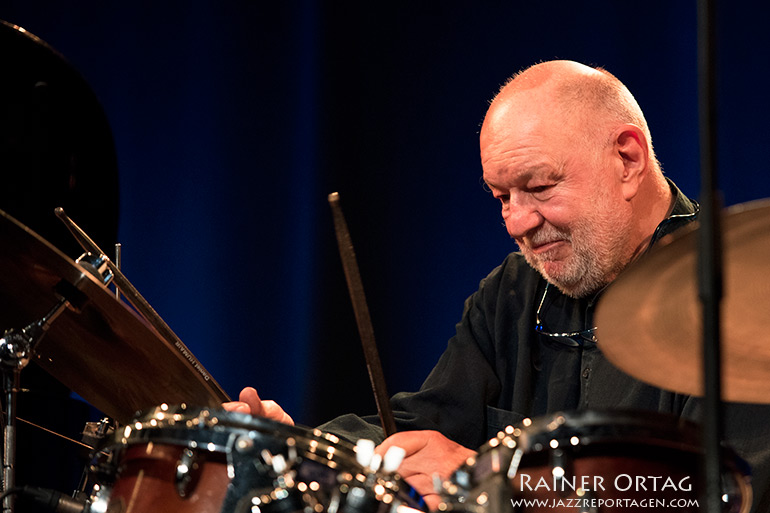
x=573 y=338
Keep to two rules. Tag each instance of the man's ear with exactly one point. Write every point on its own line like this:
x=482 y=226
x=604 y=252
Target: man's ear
x=632 y=150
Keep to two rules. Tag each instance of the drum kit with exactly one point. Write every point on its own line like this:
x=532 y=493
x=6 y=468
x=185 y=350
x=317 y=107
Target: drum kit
x=189 y=455
x=170 y=446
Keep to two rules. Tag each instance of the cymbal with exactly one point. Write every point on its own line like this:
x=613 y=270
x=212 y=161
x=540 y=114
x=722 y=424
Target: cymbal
x=56 y=144
x=650 y=322
x=102 y=349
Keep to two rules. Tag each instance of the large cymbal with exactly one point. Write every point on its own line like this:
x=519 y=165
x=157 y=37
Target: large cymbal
x=649 y=320
x=56 y=145
x=105 y=352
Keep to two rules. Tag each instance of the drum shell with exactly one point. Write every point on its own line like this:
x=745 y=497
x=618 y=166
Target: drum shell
x=201 y=460
x=619 y=461
x=145 y=481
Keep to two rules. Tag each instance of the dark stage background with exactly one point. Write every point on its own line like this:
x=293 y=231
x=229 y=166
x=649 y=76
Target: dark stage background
x=233 y=120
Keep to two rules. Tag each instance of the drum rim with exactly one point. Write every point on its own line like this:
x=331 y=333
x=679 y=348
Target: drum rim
x=212 y=429
x=621 y=426
x=608 y=426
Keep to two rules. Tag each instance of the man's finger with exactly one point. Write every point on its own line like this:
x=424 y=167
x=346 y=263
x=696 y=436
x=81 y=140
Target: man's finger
x=273 y=411
x=237 y=406
x=249 y=396
x=409 y=441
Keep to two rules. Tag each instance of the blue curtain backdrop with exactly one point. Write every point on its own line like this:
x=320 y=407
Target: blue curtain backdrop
x=234 y=119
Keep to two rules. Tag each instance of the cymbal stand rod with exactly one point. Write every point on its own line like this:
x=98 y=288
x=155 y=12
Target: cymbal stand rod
x=16 y=348
x=143 y=307
x=10 y=387
x=710 y=257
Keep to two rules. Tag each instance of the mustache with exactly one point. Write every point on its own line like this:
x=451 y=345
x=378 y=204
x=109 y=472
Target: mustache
x=547 y=234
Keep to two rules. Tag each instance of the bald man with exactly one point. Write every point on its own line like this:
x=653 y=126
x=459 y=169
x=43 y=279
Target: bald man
x=566 y=151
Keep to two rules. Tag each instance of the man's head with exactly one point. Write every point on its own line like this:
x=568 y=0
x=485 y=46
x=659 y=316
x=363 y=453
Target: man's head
x=566 y=150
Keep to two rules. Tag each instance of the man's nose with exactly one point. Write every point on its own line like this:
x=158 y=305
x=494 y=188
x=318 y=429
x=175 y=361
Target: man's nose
x=521 y=219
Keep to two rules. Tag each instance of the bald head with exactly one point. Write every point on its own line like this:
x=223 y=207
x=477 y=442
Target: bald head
x=547 y=74
x=589 y=100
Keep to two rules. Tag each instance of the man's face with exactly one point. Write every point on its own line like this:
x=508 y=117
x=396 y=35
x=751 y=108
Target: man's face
x=560 y=195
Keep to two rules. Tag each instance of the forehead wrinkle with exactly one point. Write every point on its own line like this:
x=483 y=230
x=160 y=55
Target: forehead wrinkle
x=522 y=163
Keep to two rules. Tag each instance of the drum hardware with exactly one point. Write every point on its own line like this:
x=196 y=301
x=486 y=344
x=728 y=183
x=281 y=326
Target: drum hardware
x=377 y=486
x=269 y=479
x=562 y=469
x=285 y=493
x=365 y=491
x=51 y=500
x=94 y=434
x=175 y=458
x=186 y=473
x=85 y=497
x=16 y=348
x=97 y=266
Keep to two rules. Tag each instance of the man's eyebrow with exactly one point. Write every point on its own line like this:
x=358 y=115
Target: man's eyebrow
x=488 y=186
x=519 y=177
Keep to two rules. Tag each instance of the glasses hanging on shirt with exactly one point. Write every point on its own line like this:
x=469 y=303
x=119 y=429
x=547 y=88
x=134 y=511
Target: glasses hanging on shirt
x=572 y=338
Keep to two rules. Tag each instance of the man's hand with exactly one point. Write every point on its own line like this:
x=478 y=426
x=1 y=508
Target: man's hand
x=427 y=453
x=250 y=403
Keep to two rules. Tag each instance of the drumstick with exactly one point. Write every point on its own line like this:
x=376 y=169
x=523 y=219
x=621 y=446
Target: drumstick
x=218 y=394
x=364 y=321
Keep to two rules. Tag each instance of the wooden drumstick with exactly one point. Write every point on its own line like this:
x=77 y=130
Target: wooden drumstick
x=363 y=319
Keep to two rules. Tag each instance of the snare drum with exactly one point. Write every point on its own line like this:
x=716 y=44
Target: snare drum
x=593 y=462
x=174 y=459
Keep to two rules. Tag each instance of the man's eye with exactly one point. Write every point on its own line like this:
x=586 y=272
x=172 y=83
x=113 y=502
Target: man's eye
x=539 y=188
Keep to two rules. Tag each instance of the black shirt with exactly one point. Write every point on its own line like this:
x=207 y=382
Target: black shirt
x=497 y=370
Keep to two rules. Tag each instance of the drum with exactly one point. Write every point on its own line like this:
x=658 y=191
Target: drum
x=173 y=459
x=593 y=462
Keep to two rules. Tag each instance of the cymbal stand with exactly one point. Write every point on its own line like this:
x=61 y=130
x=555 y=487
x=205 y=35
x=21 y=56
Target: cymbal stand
x=16 y=348
x=710 y=278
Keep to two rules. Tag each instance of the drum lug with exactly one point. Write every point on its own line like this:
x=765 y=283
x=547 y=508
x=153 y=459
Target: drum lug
x=246 y=470
x=186 y=471
x=561 y=463
x=99 y=499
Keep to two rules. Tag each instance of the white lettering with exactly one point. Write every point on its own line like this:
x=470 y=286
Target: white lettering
x=562 y=481
x=669 y=483
x=542 y=483
x=617 y=482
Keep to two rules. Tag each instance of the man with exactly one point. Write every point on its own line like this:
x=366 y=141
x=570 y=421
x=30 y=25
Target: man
x=566 y=150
